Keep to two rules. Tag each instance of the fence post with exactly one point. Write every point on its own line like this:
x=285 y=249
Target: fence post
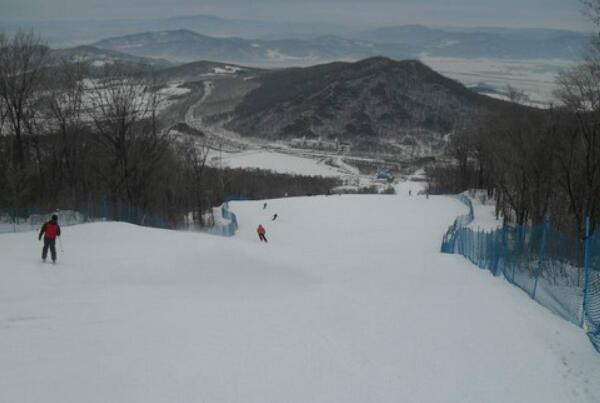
x=482 y=241
x=484 y=247
x=495 y=247
x=473 y=247
x=500 y=252
x=541 y=256
x=586 y=269
x=516 y=254
x=503 y=249
x=478 y=242
x=491 y=252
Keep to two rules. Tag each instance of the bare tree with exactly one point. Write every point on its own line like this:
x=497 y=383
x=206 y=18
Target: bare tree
x=579 y=144
x=22 y=61
x=3 y=116
x=124 y=110
x=118 y=102
x=579 y=88
x=195 y=156
x=66 y=109
x=592 y=10
x=516 y=95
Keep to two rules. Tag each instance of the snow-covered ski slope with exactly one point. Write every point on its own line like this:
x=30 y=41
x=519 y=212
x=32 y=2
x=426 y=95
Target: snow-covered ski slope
x=350 y=301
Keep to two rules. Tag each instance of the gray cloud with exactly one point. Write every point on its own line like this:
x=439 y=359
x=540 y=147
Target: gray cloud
x=510 y=13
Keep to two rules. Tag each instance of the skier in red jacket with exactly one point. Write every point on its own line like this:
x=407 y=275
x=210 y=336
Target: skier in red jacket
x=50 y=231
x=261 y=233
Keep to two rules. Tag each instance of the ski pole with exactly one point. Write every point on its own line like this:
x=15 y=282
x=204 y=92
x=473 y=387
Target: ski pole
x=60 y=243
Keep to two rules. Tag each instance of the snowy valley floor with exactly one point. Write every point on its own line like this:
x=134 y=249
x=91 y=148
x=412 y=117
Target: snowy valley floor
x=349 y=302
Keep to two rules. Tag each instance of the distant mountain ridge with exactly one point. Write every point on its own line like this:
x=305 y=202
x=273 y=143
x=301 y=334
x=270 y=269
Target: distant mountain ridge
x=485 y=42
x=76 y=32
x=186 y=46
x=410 y=41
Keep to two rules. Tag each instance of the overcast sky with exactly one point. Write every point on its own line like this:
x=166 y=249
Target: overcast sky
x=507 y=13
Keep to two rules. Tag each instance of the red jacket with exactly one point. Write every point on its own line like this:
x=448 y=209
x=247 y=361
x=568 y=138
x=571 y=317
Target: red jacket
x=50 y=230
x=261 y=230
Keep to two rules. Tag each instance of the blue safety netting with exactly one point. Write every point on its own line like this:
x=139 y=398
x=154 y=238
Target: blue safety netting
x=592 y=295
x=546 y=264
x=228 y=226
x=450 y=237
x=31 y=219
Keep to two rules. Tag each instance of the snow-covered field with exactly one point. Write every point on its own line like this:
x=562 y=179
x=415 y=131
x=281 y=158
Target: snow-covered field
x=350 y=301
x=274 y=161
x=173 y=89
x=536 y=77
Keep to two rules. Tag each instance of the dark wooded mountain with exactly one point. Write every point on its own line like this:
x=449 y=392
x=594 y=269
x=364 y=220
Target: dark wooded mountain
x=364 y=102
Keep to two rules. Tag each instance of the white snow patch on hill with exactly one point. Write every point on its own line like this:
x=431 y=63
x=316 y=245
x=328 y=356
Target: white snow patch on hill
x=350 y=301
x=277 y=55
x=174 y=88
x=276 y=162
x=100 y=63
x=227 y=70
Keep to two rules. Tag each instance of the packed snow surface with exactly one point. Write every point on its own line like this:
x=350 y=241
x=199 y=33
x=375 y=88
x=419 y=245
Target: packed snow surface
x=350 y=301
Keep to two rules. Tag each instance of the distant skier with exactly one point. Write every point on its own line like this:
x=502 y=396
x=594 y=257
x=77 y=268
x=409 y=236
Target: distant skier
x=261 y=233
x=410 y=192
x=50 y=231
x=265 y=206
x=275 y=217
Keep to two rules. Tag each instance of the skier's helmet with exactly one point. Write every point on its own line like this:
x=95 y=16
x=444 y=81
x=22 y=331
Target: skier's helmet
x=54 y=217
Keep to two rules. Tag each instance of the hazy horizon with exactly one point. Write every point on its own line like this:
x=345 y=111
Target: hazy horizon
x=550 y=14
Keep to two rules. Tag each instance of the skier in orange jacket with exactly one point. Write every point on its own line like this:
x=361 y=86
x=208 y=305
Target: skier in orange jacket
x=261 y=233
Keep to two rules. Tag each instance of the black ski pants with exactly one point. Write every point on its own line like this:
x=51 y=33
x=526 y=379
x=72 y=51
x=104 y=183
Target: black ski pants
x=49 y=243
x=262 y=237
